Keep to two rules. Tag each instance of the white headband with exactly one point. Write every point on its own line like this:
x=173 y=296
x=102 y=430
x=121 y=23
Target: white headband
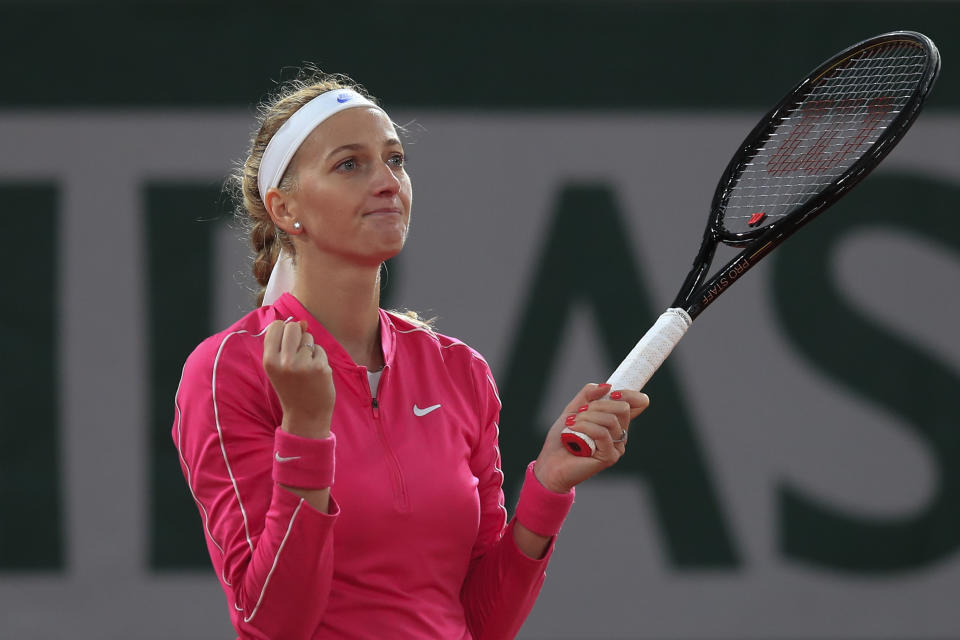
x=280 y=150
x=295 y=130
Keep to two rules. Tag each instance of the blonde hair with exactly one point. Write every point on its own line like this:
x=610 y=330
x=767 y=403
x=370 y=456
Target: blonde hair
x=266 y=238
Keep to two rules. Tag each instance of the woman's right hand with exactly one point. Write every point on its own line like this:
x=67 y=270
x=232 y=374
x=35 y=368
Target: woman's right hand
x=301 y=376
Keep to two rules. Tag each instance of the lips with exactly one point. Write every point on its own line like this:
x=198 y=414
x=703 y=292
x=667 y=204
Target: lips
x=384 y=211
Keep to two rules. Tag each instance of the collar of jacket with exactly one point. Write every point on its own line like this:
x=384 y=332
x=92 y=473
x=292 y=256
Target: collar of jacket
x=289 y=306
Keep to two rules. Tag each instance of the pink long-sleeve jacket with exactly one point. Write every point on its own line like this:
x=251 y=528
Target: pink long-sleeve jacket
x=416 y=543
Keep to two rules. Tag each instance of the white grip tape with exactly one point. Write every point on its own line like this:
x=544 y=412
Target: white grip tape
x=645 y=358
x=652 y=349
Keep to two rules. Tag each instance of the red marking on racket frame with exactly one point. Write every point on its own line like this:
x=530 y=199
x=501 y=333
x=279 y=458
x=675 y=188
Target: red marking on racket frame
x=756 y=219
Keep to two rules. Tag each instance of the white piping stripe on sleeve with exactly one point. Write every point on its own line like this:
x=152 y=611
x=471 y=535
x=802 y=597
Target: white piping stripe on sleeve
x=206 y=516
x=216 y=413
x=183 y=461
x=503 y=507
x=434 y=337
x=262 y=331
x=496 y=444
x=276 y=559
x=223 y=448
x=493 y=387
x=422 y=330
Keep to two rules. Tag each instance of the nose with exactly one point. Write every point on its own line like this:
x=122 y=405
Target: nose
x=386 y=181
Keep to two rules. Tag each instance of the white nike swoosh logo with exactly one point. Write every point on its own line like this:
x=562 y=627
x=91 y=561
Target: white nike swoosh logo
x=417 y=411
x=280 y=458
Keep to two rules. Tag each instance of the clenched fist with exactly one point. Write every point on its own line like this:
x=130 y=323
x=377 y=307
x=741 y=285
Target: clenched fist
x=301 y=376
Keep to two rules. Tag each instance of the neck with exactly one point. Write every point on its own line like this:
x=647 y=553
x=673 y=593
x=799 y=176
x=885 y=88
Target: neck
x=345 y=299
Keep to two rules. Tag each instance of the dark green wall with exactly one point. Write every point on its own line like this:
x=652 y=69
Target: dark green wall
x=621 y=55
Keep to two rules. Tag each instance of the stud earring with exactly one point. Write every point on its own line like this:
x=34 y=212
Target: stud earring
x=297 y=226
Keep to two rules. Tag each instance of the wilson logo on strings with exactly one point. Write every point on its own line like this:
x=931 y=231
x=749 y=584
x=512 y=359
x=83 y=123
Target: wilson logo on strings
x=834 y=120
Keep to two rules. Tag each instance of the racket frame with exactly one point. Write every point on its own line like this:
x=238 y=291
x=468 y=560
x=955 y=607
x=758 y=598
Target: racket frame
x=698 y=291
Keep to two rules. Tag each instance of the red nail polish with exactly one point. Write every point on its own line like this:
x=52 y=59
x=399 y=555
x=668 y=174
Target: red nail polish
x=616 y=395
x=583 y=408
x=571 y=419
x=604 y=387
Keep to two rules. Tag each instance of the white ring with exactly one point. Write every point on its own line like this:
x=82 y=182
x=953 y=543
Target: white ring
x=623 y=436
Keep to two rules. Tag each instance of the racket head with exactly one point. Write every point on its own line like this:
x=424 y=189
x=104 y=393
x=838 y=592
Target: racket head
x=824 y=136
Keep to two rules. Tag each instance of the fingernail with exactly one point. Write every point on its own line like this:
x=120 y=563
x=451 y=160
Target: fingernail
x=616 y=395
x=604 y=387
x=583 y=408
x=571 y=419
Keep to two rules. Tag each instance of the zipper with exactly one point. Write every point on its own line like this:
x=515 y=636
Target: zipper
x=399 y=486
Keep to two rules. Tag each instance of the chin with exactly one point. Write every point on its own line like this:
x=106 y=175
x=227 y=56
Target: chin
x=388 y=250
x=394 y=239
x=385 y=242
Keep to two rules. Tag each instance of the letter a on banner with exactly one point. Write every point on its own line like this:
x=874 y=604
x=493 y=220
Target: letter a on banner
x=665 y=453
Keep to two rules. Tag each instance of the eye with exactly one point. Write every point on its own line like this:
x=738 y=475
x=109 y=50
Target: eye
x=398 y=159
x=347 y=165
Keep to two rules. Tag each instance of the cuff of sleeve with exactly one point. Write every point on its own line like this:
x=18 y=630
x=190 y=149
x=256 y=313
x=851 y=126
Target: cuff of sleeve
x=540 y=510
x=304 y=463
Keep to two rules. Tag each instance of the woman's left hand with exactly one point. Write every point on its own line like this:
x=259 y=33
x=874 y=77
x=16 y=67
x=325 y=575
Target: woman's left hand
x=606 y=421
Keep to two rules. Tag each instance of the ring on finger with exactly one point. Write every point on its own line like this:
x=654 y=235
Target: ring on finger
x=623 y=436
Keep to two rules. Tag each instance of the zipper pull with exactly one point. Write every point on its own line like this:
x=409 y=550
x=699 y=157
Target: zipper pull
x=376 y=408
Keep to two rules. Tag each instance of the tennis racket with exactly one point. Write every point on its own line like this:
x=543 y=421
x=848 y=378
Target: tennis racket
x=821 y=140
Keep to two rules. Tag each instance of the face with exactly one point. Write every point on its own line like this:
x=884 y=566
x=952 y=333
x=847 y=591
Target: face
x=353 y=194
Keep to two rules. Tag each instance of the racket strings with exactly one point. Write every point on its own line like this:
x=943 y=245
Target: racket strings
x=823 y=134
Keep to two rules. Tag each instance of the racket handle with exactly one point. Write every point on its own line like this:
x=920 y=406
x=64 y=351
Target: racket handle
x=650 y=352
x=637 y=368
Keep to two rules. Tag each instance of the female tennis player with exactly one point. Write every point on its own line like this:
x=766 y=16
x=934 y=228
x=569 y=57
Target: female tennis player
x=408 y=537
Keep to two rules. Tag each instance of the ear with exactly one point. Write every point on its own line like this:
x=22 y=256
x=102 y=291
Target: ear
x=278 y=205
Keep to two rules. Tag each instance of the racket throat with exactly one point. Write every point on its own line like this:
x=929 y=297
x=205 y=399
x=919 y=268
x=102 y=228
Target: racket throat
x=701 y=265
